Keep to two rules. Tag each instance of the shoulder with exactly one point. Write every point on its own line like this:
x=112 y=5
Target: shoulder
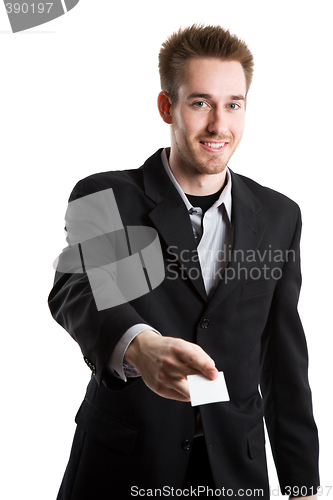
x=123 y=181
x=126 y=183
x=269 y=198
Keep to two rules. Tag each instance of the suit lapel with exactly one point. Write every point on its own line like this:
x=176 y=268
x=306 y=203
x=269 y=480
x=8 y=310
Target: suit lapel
x=171 y=220
x=248 y=233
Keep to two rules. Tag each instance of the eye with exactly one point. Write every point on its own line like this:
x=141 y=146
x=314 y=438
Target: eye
x=200 y=104
x=233 y=105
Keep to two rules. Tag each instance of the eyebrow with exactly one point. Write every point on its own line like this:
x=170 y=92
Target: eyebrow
x=237 y=98
x=209 y=96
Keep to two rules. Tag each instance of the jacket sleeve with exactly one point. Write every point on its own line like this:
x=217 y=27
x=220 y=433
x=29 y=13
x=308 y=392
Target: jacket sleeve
x=285 y=387
x=76 y=297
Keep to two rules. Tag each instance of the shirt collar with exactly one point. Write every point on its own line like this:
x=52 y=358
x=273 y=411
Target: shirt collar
x=224 y=198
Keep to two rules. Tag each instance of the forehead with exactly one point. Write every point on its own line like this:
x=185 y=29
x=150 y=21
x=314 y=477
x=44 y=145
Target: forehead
x=212 y=76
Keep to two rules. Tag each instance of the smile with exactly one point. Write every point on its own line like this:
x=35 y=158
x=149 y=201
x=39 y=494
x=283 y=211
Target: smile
x=214 y=145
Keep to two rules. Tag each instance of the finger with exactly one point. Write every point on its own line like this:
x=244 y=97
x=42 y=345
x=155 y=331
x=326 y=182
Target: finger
x=172 y=389
x=181 y=371
x=198 y=360
x=181 y=386
x=172 y=394
x=175 y=369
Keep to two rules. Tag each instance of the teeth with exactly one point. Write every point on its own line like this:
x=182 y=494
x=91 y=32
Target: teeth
x=215 y=145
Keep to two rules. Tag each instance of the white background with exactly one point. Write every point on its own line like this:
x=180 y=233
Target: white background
x=78 y=96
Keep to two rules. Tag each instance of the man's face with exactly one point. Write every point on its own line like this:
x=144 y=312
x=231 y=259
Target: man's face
x=208 y=118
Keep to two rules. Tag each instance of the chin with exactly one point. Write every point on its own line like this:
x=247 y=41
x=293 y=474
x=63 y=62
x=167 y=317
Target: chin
x=211 y=169
x=214 y=171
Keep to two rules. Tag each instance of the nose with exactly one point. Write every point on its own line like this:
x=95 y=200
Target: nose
x=218 y=123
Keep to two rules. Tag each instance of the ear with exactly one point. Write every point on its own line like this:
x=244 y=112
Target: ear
x=164 y=106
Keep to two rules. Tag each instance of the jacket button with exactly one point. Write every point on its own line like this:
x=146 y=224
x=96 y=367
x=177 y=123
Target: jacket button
x=186 y=445
x=90 y=364
x=204 y=323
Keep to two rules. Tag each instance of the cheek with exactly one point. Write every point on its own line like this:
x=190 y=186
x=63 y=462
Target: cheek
x=237 y=128
x=191 y=123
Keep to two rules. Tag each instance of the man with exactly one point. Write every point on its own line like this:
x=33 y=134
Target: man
x=233 y=310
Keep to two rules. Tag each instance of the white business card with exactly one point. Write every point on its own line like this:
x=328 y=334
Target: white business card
x=204 y=391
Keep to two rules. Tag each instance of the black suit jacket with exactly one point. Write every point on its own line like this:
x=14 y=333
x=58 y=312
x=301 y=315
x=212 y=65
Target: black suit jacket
x=127 y=435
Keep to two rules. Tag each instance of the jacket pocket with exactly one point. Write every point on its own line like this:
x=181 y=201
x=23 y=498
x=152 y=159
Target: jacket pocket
x=258 y=287
x=256 y=440
x=105 y=429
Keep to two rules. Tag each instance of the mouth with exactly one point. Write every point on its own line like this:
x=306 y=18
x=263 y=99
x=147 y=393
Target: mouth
x=215 y=147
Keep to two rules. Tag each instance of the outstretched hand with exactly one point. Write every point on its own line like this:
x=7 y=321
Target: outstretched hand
x=165 y=362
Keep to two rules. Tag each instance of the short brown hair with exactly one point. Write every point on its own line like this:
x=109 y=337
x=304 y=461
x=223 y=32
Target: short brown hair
x=200 y=41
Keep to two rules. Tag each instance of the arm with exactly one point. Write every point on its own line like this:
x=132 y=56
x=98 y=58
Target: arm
x=72 y=301
x=285 y=386
x=80 y=302
x=73 y=306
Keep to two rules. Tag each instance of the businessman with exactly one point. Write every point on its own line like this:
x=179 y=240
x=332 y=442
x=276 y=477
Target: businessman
x=228 y=302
